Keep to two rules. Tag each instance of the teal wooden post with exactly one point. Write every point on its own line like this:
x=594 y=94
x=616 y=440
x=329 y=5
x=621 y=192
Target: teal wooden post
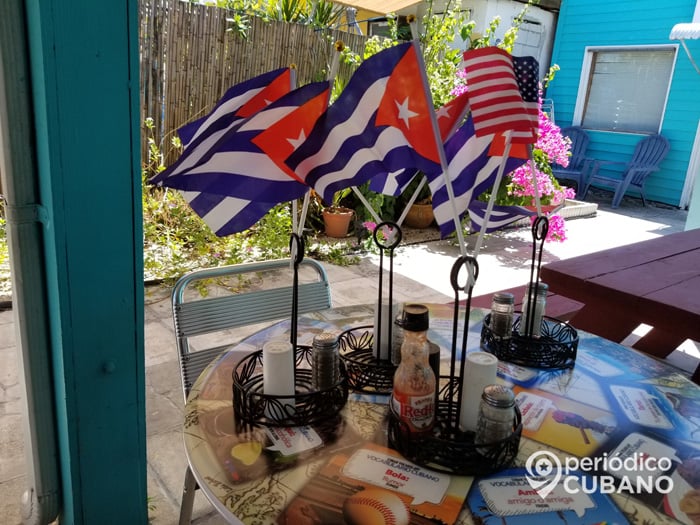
x=84 y=66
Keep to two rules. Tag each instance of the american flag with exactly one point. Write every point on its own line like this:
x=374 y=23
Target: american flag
x=527 y=72
x=240 y=101
x=379 y=124
x=449 y=117
x=236 y=182
x=472 y=171
x=494 y=94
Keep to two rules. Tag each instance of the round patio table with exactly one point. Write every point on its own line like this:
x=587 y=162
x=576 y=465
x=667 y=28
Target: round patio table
x=613 y=400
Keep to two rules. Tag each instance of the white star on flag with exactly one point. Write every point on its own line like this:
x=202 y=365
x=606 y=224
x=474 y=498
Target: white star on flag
x=298 y=141
x=404 y=112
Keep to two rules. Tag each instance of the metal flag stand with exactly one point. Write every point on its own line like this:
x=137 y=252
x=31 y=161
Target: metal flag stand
x=361 y=347
x=308 y=404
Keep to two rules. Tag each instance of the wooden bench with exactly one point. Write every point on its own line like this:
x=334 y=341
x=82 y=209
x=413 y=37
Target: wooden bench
x=558 y=306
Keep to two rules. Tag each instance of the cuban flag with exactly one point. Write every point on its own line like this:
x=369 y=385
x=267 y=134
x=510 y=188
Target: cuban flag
x=501 y=216
x=237 y=181
x=240 y=101
x=382 y=122
x=472 y=171
x=449 y=117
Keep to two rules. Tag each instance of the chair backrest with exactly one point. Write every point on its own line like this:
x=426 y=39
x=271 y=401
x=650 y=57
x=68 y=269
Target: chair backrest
x=579 y=144
x=648 y=154
x=194 y=315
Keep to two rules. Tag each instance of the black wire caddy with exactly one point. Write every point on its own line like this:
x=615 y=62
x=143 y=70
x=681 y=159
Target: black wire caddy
x=446 y=447
x=557 y=344
x=367 y=371
x=308 y=405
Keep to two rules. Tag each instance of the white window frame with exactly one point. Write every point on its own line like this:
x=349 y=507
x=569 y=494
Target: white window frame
x=586 y=74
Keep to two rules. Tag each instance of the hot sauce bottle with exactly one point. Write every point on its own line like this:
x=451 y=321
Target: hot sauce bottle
x=413 y=395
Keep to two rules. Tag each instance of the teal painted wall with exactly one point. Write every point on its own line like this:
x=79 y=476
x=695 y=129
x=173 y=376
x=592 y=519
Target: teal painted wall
x=603 y=23
x=84 y=63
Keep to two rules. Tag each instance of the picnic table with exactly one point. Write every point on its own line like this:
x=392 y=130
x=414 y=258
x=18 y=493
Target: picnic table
x=654 y=282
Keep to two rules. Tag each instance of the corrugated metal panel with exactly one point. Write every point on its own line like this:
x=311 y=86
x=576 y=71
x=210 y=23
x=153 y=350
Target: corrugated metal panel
x=380 y=6
x=689 y=31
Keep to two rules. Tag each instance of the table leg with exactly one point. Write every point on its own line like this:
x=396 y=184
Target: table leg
x=659 y=343
x=187 y=498
x=602 y=320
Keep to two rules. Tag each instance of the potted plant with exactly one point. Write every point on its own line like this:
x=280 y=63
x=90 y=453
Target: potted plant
x=336 y=217
x=420 y=214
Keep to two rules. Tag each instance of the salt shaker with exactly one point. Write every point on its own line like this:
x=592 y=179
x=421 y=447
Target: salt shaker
x=325 y=361
x=502 y=309
x=533 y=319
x=496 y=414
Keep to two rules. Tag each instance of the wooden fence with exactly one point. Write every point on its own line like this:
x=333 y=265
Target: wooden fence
x=189 y=59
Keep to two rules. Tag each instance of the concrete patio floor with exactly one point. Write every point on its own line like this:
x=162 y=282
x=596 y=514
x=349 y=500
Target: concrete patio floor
x=421 y=274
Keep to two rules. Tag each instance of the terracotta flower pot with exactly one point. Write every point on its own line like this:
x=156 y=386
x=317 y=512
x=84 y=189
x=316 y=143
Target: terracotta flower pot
x=419 y=216
x=337 y=221
x=546 y=208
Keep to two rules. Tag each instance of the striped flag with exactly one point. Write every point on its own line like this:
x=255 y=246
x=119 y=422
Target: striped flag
x=494 y=94
x=393 y=183
x=501 y=216
x=236 y=182
x=380 y=123
x=240 y=101
x=449 y=117
x=226 y=215
x=472 y=171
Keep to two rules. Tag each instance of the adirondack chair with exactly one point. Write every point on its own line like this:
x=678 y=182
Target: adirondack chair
x=578 y=163
x=646 y=158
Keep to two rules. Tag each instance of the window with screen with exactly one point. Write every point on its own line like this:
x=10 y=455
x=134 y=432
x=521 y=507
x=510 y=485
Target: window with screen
x=626 y=89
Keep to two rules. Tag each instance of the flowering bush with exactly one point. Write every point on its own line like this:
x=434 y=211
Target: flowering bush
x=551 y=146
x=517 y=188
x=385 y=235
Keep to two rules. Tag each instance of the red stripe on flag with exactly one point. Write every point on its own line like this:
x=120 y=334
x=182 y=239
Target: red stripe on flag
x=495 y=98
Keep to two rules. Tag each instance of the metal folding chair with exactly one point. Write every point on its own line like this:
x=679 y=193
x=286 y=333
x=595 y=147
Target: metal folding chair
x=195 y=315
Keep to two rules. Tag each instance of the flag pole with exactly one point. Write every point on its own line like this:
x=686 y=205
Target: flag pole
x=296 y=227
x=367 y=205
x=332 y=72
x=438 y=140
x=533 y=171
x=494 y=192
x=411 y=201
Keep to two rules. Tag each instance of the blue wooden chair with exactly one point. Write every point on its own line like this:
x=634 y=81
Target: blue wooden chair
x=214 y=317
x=647 y=156
x=578 y=163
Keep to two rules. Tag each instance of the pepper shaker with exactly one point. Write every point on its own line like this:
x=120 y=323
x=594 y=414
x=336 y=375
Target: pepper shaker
x=502 y=310
x=325 y=366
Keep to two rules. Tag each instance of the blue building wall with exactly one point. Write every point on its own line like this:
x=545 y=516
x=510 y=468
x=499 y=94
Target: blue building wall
x=585 y=23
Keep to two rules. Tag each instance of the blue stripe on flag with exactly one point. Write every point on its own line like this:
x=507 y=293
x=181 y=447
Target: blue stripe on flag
x=501 y=216
x=472 y=171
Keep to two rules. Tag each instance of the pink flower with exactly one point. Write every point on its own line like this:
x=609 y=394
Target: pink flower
x=557 y=228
